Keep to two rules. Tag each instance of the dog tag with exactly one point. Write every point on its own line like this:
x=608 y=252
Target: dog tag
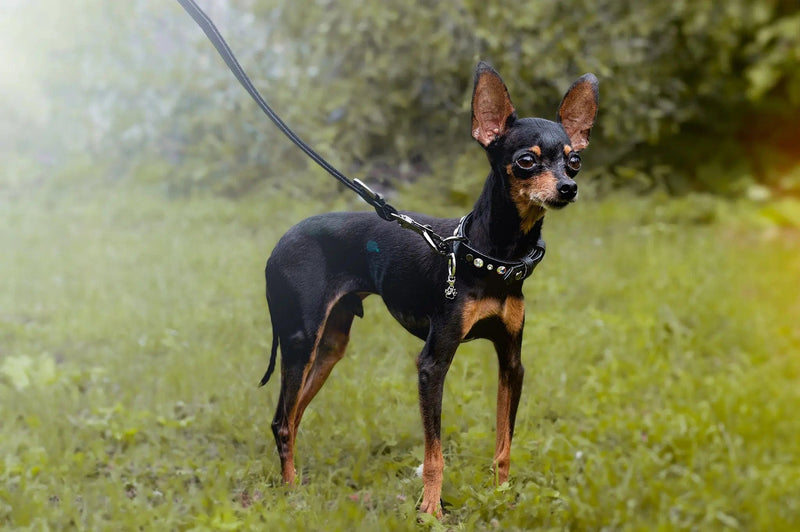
x=450 y=292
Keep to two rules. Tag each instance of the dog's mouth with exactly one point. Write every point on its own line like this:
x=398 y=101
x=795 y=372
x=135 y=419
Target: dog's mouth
x=557 y=204
x=550 y=203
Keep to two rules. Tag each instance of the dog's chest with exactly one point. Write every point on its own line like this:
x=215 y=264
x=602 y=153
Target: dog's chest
x=510 y=311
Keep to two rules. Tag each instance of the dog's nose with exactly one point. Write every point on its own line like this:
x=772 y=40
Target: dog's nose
x=568 y=189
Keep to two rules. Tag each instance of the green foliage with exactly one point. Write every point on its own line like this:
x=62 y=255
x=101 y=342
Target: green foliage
x=694 y=95
x=661 y=349
x=681 y=82
x=778 y=47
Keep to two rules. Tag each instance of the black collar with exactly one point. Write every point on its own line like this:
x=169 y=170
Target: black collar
x=484 y=265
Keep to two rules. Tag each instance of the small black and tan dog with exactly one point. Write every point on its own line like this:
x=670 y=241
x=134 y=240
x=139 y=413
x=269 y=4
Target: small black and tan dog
x=324 y=266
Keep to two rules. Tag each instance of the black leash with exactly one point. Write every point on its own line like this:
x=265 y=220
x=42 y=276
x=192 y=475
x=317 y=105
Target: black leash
x=225 y=52
x=440 y=244
x=455 y=247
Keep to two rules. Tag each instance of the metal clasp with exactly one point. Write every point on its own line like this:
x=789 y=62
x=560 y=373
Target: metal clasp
x=450 y=292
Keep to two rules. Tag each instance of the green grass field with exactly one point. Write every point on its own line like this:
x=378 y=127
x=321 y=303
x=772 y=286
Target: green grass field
x=662 y=350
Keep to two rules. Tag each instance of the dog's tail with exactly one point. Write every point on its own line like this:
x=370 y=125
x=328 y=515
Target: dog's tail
x=272 y=358
x=275 y=342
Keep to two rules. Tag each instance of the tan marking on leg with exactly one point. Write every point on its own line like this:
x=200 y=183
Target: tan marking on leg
x=331 y=350
x=289 y=474
x=513 y=314
x=432 y=473
x=296 y=410
x=509 y=387
x=314 y=349
x=502 y=453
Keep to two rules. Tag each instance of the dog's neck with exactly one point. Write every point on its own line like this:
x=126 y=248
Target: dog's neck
x=496 y=227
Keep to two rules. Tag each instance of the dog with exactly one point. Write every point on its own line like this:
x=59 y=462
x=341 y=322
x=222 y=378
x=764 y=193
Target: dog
x=323 y=267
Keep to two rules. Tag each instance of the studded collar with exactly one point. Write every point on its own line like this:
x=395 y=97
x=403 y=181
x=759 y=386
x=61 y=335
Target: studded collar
x=484 y=265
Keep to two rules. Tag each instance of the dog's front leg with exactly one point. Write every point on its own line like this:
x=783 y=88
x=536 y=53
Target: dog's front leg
x=509 y=390
x=432 y=365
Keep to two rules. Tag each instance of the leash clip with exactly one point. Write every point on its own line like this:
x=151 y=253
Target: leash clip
x=450 y=292
x=436 y=242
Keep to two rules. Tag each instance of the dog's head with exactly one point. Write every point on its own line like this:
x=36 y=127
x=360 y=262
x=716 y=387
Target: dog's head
x=539 y=158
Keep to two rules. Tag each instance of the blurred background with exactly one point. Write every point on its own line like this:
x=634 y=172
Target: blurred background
x=141 y=191
x=696 y=96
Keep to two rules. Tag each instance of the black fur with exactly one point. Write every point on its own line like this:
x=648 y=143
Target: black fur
x=325 y=265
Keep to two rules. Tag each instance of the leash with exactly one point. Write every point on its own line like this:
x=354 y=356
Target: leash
x=442 y=245
x=456 y=247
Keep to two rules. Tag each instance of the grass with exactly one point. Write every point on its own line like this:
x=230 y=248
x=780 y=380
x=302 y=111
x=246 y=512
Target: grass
x=662 y=355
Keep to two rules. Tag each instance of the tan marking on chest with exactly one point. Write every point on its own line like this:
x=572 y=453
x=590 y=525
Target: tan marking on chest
x=511 y=312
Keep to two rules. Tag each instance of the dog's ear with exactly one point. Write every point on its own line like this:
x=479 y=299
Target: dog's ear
x=578 y=110
x=492 y=112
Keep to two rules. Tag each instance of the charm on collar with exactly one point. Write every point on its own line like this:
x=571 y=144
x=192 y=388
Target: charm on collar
x=450 y=292
x=508 y=271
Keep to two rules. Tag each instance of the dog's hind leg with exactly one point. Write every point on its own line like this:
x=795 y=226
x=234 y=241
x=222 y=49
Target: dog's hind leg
x=307 y=360
x=294 y=354
x=330 y=350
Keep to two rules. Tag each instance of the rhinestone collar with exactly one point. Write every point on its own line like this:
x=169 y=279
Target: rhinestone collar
x=484 y=265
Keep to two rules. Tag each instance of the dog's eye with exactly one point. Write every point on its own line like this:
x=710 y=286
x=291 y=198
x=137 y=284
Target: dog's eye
x=574 y=162
x=526 y=161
